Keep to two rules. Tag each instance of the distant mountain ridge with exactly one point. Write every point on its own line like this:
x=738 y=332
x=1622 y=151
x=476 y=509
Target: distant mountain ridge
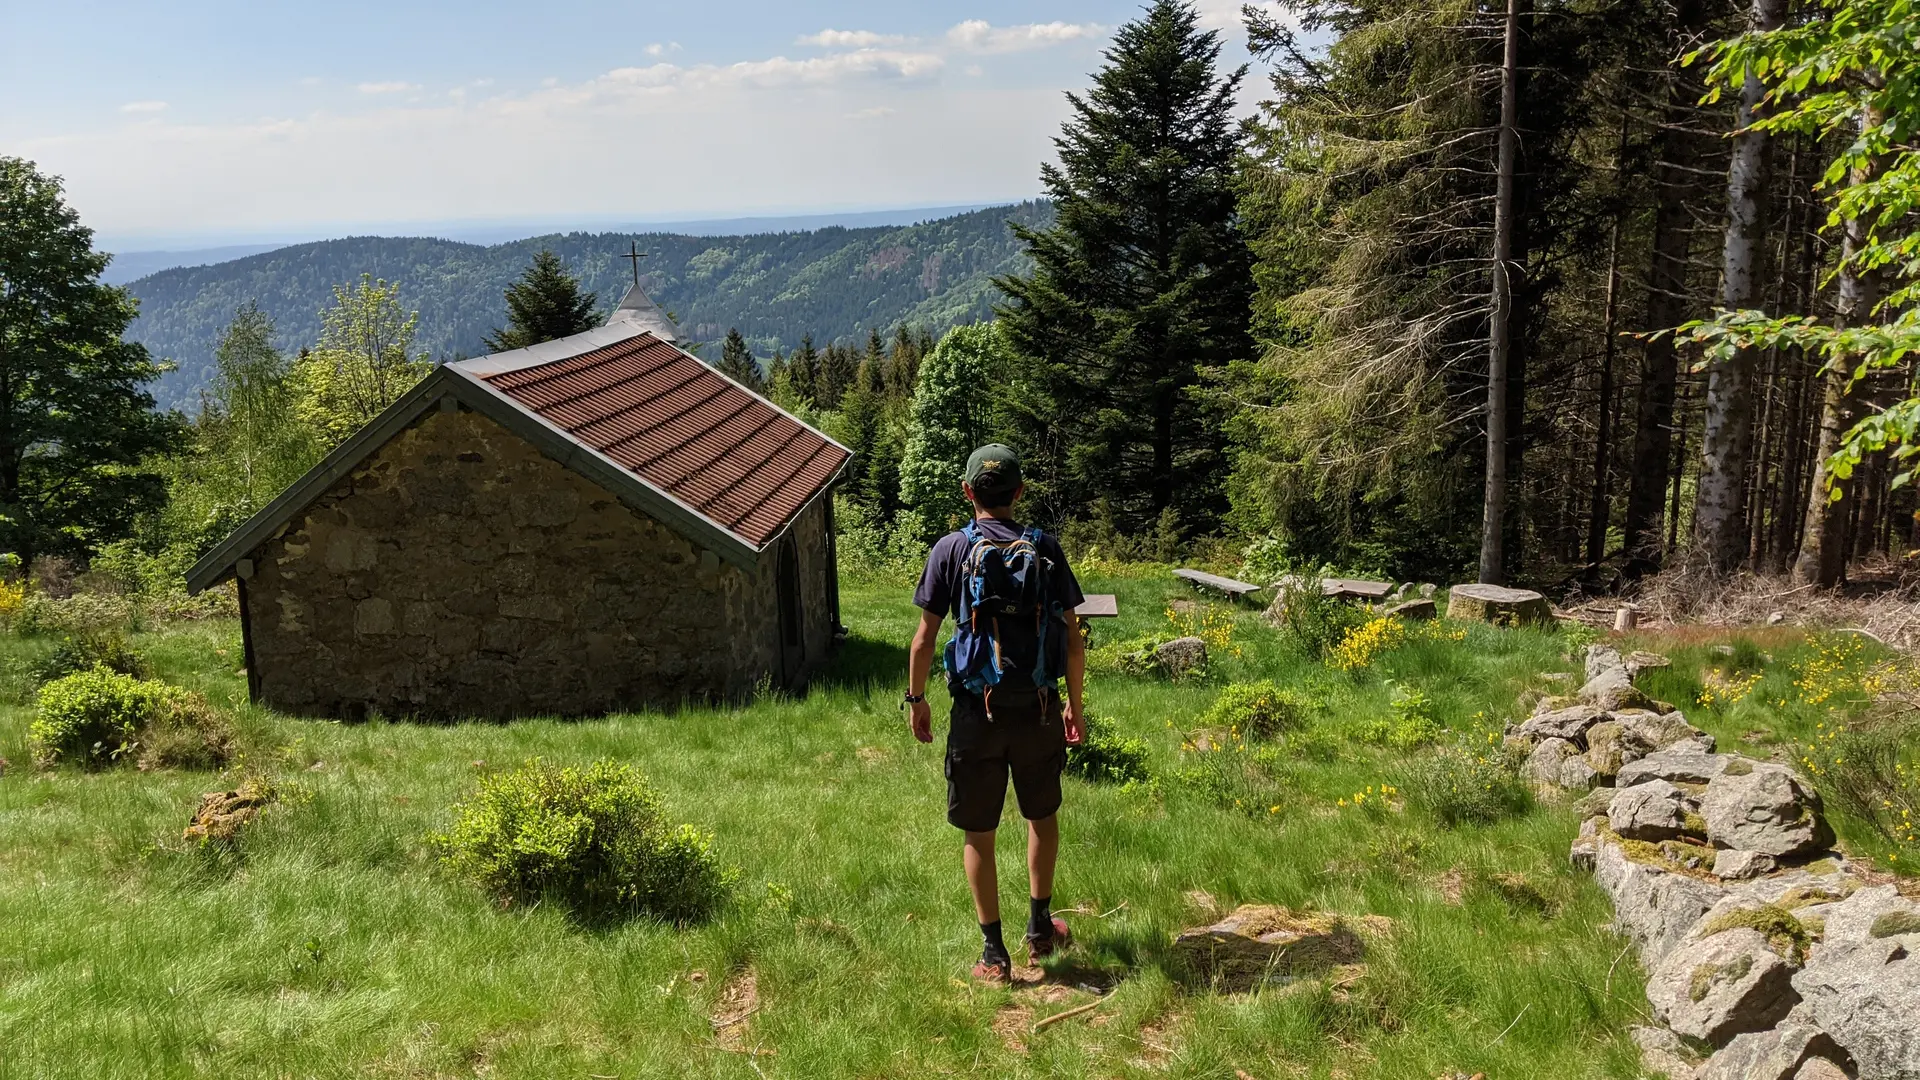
x=834 y=283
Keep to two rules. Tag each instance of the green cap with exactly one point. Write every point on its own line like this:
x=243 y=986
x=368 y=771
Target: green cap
x=993 y=470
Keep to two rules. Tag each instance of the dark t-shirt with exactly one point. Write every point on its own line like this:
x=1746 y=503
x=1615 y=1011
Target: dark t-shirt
x=939 y=590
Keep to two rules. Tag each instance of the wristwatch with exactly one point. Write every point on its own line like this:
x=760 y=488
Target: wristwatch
x=915 y=699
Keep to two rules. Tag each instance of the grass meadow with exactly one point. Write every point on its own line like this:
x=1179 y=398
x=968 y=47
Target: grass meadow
x=331 y=944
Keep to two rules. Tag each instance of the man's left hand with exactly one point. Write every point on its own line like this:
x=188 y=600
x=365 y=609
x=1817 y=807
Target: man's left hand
x=1074 y=721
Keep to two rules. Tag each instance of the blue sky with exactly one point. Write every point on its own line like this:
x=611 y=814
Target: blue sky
x=228 y=120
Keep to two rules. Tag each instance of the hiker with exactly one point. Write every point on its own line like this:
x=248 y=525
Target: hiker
x=1011 y=594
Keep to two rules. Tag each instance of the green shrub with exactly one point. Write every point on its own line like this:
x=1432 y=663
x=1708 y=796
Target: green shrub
x=1256 y=710
x=1313 y=744
x=1459 y=787
x=1130 y=656
x=1106 y=758
x=84 y=652
x=1870 y=772
x=99 y=717
x=93 y=717
x=185 y=732
x=1256 y=782
x=1411 y=727
x=594 y=840
x=1312 y=622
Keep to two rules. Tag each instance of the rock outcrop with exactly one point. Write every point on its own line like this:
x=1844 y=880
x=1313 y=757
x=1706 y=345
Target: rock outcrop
x=1258 y=942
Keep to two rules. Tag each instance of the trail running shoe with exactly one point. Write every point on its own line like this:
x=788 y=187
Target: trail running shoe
x=1040 y=947
x=993 y=971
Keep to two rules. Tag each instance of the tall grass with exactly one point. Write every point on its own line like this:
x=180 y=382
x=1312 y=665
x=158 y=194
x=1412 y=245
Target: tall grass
x=331 y=945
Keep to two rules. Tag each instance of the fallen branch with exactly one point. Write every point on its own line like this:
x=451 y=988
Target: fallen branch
x=1069 y=1014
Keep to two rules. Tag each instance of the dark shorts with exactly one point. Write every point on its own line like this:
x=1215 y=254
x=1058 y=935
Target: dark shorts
x=1025 y=740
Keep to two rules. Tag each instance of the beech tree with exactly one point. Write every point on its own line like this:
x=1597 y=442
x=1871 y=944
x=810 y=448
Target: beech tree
x=77 y=426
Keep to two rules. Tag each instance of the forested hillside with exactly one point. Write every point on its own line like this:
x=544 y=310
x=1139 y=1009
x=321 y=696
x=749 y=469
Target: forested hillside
x=836 y=284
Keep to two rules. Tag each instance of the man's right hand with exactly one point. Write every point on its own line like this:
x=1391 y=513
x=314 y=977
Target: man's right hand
x=920 y=718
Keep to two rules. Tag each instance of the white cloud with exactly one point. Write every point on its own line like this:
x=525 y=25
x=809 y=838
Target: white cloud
x=979 y=35
x=1226 y=14
x=593 y=146
x=144 y=107
x=850 y=39
x=779 y=71
x=663 y=48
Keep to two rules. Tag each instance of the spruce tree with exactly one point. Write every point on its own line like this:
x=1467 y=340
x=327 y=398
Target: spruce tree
x=737 y=362
x=1144 y=282
x=803 y=371
x=545 y=304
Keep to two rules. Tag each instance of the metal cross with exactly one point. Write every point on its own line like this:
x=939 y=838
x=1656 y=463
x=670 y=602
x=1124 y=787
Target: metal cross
x=636 y=255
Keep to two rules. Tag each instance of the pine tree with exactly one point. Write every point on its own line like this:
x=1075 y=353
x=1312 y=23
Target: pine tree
x=1144 y=282
x=545 y=304
x=737 y=362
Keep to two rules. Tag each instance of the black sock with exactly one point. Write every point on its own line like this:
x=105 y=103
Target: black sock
x=1039 y=917
x=996 y=949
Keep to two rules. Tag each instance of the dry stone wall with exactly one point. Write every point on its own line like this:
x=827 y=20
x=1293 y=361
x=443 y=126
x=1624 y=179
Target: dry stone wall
x=460 y=572
x=1770 y=956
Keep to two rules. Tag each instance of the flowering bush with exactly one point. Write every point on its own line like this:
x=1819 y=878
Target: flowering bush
x=1364 y=644
x=1871 y=772
x=1213 y=625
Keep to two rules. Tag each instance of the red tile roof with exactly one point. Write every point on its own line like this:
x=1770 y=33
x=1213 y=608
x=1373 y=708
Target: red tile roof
x=684 y=428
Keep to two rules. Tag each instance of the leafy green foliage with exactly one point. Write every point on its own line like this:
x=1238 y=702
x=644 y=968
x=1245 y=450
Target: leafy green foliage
x=1412 y=725
x=92 y=717
x=1144 y=282
x=545 y=304
x=1256 y=710
x=77 y=426
x=594 y=839
x=1104 y=757
x=100 y=717
x=364 y=360
x=956 y=410
x=1851 y=74
x=1313 y=622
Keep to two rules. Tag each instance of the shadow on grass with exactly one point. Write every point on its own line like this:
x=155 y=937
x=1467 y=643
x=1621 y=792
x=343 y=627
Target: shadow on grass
x=864 y=662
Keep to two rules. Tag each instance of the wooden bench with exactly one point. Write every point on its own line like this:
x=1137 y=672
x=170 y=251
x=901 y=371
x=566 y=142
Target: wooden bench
x=1225 y=586
x=1097 y=606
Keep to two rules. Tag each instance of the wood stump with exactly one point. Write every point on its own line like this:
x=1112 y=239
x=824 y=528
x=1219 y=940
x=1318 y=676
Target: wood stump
x=1494 y=604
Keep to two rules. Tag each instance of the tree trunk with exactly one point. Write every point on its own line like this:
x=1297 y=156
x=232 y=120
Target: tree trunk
x=1823 y=558
x=1676 y=151
x=1726 y=441
x=1499 y=336
x=1598 y=510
